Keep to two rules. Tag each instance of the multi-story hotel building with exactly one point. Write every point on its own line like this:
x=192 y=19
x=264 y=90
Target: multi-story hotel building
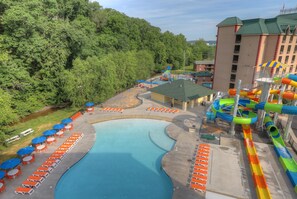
x=242 y=45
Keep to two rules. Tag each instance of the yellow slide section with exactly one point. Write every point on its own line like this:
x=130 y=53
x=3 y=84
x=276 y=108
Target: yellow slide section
x=257 y=172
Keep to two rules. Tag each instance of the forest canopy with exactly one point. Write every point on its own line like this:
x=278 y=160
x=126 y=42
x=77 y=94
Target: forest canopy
x=57 y=51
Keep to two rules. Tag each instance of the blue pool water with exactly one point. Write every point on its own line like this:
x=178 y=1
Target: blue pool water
x=125 y=162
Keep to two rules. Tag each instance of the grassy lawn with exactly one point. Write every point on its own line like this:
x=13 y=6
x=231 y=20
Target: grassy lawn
x=39 y=125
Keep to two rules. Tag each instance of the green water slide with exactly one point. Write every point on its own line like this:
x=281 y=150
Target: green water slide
x=284 y=156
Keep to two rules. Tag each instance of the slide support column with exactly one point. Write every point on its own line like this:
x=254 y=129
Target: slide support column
x=232 y=128
x=280 y=98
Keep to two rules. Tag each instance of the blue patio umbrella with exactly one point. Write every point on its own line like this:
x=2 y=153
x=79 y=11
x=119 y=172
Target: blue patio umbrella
x=58 y=127
x=66 y=121
x=140 y=81
x=49 y=132
x=2 y=174
x=88 y=104
x=25 y=151
x=10 y=164
x=148 y=82
x=38 y=140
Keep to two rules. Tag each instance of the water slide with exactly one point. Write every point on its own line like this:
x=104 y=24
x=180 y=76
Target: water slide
x=222 y=108
x=290 y=79
x=288 y=163
x=257 y=172
x=284 y=156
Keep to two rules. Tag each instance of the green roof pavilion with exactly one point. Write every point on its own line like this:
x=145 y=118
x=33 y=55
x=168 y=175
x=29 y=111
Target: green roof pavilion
x=181 y=92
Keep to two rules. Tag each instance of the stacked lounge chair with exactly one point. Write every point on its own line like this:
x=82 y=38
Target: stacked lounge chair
x=110 y=109
x=198 y=178
x=165 y=110
x=42 y=172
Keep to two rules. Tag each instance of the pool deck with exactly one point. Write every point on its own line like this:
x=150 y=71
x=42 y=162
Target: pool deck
x=228 y=174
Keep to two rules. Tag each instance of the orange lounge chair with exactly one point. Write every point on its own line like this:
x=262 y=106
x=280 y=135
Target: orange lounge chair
x=32 y=184
x=199 y=155
x=174 y=111
x=201 y=162
x=203 y=151
x=204 y=148
x=204 y=172
x=49 y=164
x=198 y=187
x=73 y=139
x=59 y=152
x=56 y=158
x=44 y=169
x=57 y=161
x=199 y=152
x=198 y=176
x=36 y=178
x=162 y=109
x=200 y=167
x=202 y=159
x=202 y=182
x=40 y=174
x=24 y=190
x=69 y=142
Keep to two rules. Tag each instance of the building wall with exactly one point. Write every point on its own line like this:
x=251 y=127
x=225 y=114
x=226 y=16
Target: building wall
x=223 y=62
x=287 y=53
x=158 y=97
x=249 y=47
x=254 y=50
x=271 y=47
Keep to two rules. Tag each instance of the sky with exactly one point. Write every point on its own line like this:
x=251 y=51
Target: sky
x=196 y=18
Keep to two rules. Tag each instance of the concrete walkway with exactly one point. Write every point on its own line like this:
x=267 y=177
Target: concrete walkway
x=84 y=124
x=228 y=172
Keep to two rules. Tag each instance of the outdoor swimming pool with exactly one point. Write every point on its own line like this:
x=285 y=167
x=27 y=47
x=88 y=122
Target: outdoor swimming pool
x=125 y=162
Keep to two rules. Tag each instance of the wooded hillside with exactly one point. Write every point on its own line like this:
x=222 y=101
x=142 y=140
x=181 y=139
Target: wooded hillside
x=57 y=51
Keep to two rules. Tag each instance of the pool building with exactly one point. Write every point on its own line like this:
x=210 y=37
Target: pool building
x=181 y=92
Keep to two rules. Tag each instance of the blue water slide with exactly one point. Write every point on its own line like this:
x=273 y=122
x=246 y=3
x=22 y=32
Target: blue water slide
x=292 y=77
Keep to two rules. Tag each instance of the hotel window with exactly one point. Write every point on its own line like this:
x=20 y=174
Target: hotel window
x=234 y=68
x=295 y=49
x=284 y=39
x=232 y=77
x=287 y=59
x=235 y=58
x=280 y=59
x=236 y=48
x=231 y=85
x=282 y=49
x=291 y=38
x=238 y=39
x=289 y=49
x=293 y=59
